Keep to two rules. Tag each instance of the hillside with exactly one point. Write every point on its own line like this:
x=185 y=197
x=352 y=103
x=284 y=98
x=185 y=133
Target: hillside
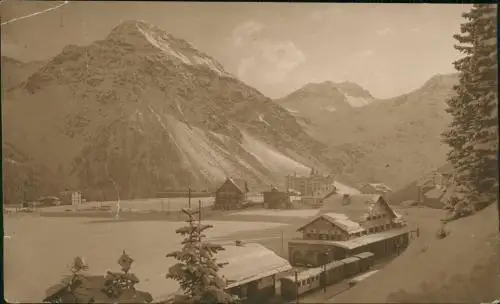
x=23 y=179
x=318 y=100
x=141 y=111
x=392 y=141
x=14 y=72
x=461 y=268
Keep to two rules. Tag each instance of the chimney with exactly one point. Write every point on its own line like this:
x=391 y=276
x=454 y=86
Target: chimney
x=346 y=199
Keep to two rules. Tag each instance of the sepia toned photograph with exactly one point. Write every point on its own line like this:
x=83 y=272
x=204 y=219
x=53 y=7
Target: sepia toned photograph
x=247 y=153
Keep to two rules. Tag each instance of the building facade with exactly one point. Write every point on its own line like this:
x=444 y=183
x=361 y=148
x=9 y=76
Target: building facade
x=231 y=194
x=345 y=219
x=313 y=185
x=275 y=199
x=252 y=271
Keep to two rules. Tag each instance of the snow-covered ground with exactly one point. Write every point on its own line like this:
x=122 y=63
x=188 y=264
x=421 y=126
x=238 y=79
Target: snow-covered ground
x=302 y=213
x=40 y=249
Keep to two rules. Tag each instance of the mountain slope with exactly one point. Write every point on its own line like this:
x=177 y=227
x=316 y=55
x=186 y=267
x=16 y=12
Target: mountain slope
x=395 y=140
x=316 y=100
x=142 y=110
x=14 y=72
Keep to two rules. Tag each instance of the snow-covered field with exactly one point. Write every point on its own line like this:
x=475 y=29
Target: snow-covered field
x=38 y=250
x=302 y=213
x=150 y=204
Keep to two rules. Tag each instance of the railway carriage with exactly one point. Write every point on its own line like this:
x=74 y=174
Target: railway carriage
x=366 y=260
x=331 y=273
x=351 y=266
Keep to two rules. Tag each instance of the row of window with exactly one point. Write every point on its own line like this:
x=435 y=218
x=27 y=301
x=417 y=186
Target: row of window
x=339 y=237
x=308 y=281
x=376 y=217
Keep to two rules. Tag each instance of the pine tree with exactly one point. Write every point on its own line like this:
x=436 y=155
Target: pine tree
x=473 y=132
x=197 y=269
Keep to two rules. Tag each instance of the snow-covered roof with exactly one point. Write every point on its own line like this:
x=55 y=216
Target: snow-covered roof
x=249 y=262
x=380 y=187
x=339 y=220
x=342 y=221
x=369 y=238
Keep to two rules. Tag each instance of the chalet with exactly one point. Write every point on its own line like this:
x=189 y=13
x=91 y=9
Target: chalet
x=231 y=194
x=371 y=211
x=251 y=271
x=434 y=198
x=276 y=199
x=343 y=218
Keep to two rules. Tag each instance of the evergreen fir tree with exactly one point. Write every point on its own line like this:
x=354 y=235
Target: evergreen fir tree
x=473 y=132
x=197 y=269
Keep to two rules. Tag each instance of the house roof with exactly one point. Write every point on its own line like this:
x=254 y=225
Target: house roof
x=434 y=193
x=379 y=187
x=356 y=242
x=249 y=262
x=357 y=208
x=369 y=238
x=241 y=184
x=345 y=189
x=91 y=288
x=339 y=220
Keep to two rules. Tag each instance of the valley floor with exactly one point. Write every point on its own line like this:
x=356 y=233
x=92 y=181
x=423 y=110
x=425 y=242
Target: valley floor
x=38 y=248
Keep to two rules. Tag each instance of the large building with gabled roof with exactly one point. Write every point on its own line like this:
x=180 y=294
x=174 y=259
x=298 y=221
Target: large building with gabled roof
x=343 y=219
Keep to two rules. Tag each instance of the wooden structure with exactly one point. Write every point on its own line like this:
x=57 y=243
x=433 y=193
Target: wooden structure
x=383 y=244
x=275 y=199
x=371 y=211
x=344 y=218
x=251 y=271
x=331 y=226
x=231 y=194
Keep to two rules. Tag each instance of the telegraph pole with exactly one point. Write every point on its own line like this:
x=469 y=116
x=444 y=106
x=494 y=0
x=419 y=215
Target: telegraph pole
x=282 y=250
x=296 y=287
x=189 y=197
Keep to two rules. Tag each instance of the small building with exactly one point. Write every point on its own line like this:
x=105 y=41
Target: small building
x=231 y=195
x=251 y=271
x=47 y=201
x=443 y=176
x=275 y=199
x=434 y=198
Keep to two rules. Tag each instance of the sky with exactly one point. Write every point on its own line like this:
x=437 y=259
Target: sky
x=388 y=49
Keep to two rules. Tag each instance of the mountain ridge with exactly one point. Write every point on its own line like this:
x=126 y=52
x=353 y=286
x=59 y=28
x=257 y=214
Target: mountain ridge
x=147 y=111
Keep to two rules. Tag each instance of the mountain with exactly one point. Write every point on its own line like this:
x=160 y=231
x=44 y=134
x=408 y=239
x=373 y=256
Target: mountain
x=395 y=140
x=315 y=100
x=14 y=72
x=141 y=111
x=23 y=179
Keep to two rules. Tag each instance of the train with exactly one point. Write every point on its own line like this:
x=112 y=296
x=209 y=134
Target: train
x=314 y=278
